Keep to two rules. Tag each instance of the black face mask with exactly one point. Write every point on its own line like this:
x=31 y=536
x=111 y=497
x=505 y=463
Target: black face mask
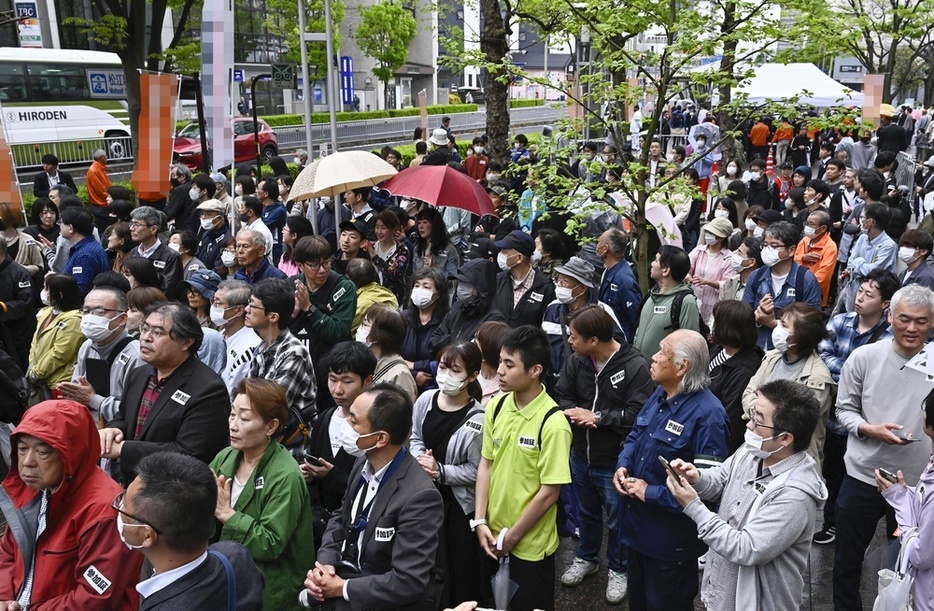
x=244 y=218
x=174 y=182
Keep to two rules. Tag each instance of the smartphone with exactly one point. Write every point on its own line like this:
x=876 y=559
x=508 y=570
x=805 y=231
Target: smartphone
x=888 y=475
x=907 y=438
x=669 y=468
x=312 y=460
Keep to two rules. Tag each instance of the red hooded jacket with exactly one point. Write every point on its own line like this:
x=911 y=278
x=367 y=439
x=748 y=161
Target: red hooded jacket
x=81 y=563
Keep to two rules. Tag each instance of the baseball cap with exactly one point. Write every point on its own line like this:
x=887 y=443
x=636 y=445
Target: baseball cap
x=518 y=241
x=204 y=281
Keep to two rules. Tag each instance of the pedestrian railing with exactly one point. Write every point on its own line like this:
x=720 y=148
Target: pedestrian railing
x=72 y=153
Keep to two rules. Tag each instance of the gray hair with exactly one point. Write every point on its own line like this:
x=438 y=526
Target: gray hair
x=185 y=325
x=690 y=346
x=116 y=294
x=238 y=292
x=301 y=154
x=914 y=295
x=617 y=241
x=99 y=154
x=256 y=237
x=148 y=215
x=182 y=170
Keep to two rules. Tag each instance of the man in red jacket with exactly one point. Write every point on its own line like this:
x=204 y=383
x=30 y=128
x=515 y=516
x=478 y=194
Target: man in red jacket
x=61 y=548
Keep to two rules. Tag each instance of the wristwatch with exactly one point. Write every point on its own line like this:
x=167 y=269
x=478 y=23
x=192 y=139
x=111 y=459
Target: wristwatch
x=475 y=523
x=597 y=416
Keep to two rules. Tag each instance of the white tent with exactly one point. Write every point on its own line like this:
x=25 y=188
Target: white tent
x=779 y=82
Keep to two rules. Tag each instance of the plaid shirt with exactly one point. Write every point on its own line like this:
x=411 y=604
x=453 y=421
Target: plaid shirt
x=844 y=339
x=288 y=363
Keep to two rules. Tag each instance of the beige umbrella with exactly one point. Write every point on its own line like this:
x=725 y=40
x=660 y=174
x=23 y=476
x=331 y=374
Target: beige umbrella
x=343 y=171
x=304 y=183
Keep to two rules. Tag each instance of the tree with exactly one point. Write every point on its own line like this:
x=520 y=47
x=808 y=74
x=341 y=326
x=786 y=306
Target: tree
x=384 y=34
x=282 y=21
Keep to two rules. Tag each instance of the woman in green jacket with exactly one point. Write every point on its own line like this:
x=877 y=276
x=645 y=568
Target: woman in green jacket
x=58 y=336
x=262 y=499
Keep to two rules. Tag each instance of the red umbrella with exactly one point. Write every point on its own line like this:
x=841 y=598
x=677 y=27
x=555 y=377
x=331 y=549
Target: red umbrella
x=441 y=185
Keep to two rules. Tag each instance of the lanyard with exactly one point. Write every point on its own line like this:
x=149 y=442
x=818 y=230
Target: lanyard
x=362 y=513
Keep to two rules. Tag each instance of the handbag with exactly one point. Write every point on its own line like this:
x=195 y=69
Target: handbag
x=895 y=585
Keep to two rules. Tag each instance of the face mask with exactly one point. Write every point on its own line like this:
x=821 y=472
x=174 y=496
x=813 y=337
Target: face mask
x=238 y=190
x=44 y=297
x=751 y=225
x=736 y=262
x=373 y=447
x=120 y=526
x=731 y=170
x=770 y=256
x=478 y=149
x=176 y=247
x=754 y=444
x=349 y=440
x=906 y=254
x=450 y=385
x=244 y=218
x=95 y=328
x=670 y=157
x=464 y=292
x=362 y=334
x=503 y=261
x=490 y=176
x=194 y=194
x=536 y=257
x=207 y=224
x=421 y=297
x=174 y=182
x=710 y=238
x=780 y=338
x=754 y=176
x=229 y=259
x=701 y=144
x=564 y=294
x=721 y=214
x=809 y=232
x=296 y=161
x=789 y=204
x=217 y=316
x=758 y=232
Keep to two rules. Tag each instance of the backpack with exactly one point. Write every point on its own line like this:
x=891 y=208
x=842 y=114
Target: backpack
x=675 y=312
x=14 y=390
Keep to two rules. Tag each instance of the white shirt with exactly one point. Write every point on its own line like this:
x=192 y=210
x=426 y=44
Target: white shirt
x=160 y=581
x=235 y=490
x=148 y=252
x=368 y=490
x=239 y=354
x=260 y=226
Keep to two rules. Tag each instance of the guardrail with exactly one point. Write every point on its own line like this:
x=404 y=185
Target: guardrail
x=72 y=153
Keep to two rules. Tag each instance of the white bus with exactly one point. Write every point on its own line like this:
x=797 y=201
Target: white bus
x=63 y=101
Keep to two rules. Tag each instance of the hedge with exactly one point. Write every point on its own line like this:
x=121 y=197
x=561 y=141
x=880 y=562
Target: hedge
x=525 y=103
x=324 y=117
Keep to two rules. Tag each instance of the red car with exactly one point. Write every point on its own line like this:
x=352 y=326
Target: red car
x=187 y=148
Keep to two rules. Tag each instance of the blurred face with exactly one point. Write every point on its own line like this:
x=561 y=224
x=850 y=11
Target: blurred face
x=287 y=236
x=114 y=241
x=283 y=189
x=843 y=156
x=497 y=200
x=131 y=279
x=248 y=253
x=232 y=249
x=382 y=232
x=512 y=372
x=869 y=299
x=247 y=429
x=156 y=345
x=134 y=318
x=49 y=168
x=832 y=173
x=39 y=465
x=911 y=326
x=849 y=180
x=424 y=228
x=655 y=150
x=786 y=172
x=350 y=242
x=797 y=180
x=344 y=387
x=47 y=217
x=392 y=159
x=260 y=194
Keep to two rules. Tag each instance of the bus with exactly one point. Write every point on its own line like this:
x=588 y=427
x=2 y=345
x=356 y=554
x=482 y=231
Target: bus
x=63 y=101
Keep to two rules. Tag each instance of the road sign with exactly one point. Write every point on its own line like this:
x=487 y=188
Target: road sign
x=30 y=33
x=347 y=92
x=283 y=76
x=107 y=83
x=238 y=76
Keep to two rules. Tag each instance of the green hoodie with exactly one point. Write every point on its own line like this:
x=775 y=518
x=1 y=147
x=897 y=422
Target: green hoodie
x=655 y=319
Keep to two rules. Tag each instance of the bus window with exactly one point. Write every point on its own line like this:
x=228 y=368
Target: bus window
x=57 y=82
x=12 y=83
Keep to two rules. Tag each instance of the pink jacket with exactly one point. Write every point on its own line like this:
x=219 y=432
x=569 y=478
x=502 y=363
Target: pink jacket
x=914 y=508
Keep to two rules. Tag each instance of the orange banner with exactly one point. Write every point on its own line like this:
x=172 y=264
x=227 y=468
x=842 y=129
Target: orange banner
x=159 y=94
x=9 y=188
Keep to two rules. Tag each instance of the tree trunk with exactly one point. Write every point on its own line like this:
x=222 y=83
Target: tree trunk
x=494 y=44
x=725 y=119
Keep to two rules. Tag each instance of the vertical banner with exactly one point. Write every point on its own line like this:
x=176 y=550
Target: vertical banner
x=423 y=113
x=217 y=79
x=9 y=187
x=873 y=86
x=159 y=94
x=347 y=92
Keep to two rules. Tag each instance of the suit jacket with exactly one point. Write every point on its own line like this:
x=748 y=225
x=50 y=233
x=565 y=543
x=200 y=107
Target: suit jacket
x=397 y=567
x=41 y=186
x=190 y=415
x=206 y=586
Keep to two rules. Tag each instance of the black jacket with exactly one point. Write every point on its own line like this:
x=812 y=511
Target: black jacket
x=17 y=310
x=169 y=265
x=531 y=308
x=416 y=345
x=206 y=586
x=464 y=317
x=727 y=383
x=328 y=492
x=181 y=209
x=41 y=186
x=618 y=392
x=763 y=194
x=209 y=246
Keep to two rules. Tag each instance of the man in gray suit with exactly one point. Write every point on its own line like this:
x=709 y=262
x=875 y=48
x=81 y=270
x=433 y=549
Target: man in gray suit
x=379 y=550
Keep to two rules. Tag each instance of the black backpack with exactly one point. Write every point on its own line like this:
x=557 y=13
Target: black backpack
x=14 y=390
x=675 y=312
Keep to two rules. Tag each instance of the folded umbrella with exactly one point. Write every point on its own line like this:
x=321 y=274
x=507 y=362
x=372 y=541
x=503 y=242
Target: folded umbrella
x=504 y=588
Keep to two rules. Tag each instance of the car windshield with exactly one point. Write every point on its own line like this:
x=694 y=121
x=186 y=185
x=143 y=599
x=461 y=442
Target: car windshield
x=190 y=131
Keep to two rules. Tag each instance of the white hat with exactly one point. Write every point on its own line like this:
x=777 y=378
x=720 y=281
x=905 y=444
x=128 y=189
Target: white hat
x=439 y=137
x=930 y=162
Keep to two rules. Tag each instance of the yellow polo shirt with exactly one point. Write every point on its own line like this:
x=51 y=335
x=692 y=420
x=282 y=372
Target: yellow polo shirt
x=520 y=468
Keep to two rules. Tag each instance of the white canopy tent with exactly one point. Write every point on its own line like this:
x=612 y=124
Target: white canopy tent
x=778 y=82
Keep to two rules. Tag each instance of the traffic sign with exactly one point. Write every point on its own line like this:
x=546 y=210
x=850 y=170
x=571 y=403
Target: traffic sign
x=283 y=76
x=238 y=76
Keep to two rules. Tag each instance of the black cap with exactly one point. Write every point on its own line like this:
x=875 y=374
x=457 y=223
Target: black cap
x=482 y=248
x=358 y=226
x=768 y=217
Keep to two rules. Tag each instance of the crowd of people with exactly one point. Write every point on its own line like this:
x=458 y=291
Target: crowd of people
x=213 y=405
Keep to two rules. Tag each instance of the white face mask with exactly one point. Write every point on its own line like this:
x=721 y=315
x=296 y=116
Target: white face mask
x=770 y=256
x=754 y=444
x=217 y=316
x=120 y=526
x=701 y=145
x=478 y=149
x=175 y=247
x=296 y=161
x=95 y=328
x=809 y=231
x=758 y=232
x=207 y=224
x=421 y=297
x=710 y=238
x=194 y=194
x=503 y=261
x=464 y=292
x=564 y=294
x=229 y=259
x=731 y=170
x=736 y=262
x=44 y=297
x=721 y=214
x=780 y=338
x=536 y=257
x=363 y=332
x=450 y=385
x=670 y=157
x=349 y=439
x=238 y=190
x=789 y=204
x=754 y=176
x=906 y=254
x=751 y=225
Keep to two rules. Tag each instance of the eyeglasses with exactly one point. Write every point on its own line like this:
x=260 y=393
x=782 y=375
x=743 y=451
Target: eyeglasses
x=157 y=332
x=117 y=504
x=99 y=311
x=319 y=265
x=250 y=306
x=758 y=424
x=138 y=224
